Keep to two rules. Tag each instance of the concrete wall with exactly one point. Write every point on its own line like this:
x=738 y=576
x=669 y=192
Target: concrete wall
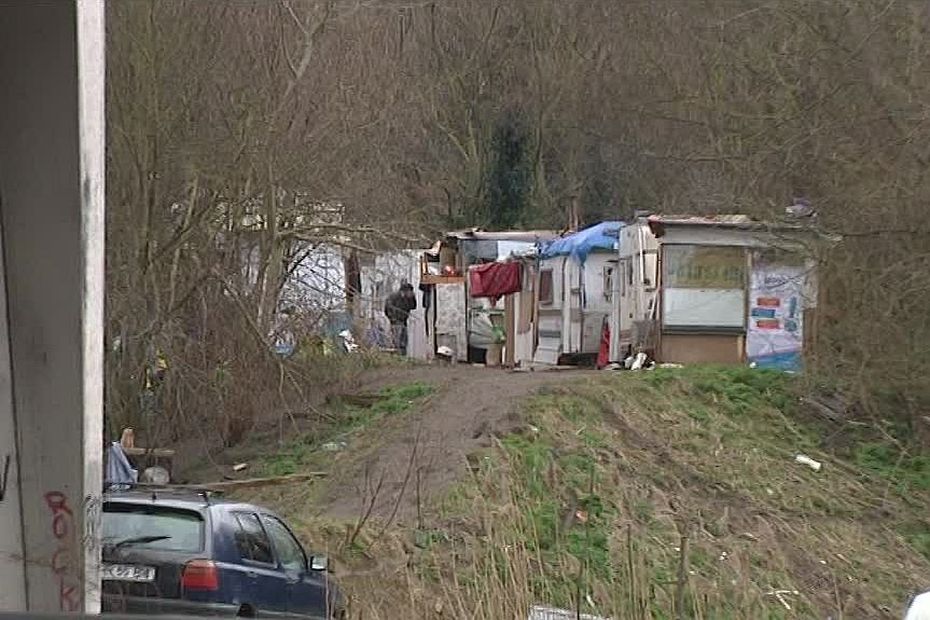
x=51 y=333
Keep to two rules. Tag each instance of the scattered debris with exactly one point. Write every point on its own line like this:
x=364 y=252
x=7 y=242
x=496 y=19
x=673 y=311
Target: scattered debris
x=803 y=459
x=334 y=446
x=348 y=341
x=671 y=365
x=801 y=208
x=639 y=362
x=155 y=475
x=780 y=596
x=538 y=612
x=833 y=407
x=240 y=467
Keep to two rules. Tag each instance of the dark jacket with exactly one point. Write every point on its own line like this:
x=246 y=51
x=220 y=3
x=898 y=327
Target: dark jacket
x=398 y=306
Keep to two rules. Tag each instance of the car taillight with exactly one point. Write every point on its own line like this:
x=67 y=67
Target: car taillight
x=200 y=575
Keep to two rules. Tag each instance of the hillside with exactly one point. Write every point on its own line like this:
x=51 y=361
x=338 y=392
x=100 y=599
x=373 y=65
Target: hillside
x=629 y=495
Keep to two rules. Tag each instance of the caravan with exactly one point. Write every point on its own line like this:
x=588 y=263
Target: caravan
x=722 y=289
x=576 y=287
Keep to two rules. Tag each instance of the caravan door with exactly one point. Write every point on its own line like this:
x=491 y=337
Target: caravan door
x=574 y=306
x=551 y=301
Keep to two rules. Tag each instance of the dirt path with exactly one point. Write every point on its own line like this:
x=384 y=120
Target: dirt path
x=469 y=406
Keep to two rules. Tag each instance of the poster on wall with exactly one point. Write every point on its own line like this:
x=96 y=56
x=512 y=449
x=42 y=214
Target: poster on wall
x=776 y=308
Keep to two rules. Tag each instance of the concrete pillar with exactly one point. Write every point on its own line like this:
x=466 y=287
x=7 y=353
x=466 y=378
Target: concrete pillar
x=51 y=304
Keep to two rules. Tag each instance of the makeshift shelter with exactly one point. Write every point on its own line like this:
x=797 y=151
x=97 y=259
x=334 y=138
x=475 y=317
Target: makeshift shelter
x=462 y=322
x=575 y=292
x=722 y=289
x=381 y=276
x=317 y=286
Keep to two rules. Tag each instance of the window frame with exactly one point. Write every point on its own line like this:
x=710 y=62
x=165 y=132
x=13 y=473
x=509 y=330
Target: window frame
x=609 y=273
x=730 y=279
x=719 y=281
x=268 y=519
x=236 y=515
x=117 y=507
x=547 y=300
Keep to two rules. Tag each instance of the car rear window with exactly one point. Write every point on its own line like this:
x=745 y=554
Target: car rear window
x=152 y=527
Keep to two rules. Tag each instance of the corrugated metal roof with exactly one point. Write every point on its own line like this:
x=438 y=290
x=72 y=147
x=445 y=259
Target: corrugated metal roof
x=737 y=221
x=711 y=220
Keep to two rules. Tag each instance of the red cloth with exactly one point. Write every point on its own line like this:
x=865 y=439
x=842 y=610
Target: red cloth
x=603 y=354
x=494 y=280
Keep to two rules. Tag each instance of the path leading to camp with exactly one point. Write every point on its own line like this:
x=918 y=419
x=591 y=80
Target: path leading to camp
x=470 y=405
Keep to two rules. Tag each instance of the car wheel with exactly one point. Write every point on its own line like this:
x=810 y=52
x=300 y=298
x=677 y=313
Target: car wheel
x=246 y=611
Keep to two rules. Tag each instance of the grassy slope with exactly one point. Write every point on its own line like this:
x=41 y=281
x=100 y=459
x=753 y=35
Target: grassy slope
x=592 y=503
x=310 y=451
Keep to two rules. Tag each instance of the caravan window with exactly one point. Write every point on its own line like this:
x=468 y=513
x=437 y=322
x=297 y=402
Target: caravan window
x=608 y=282
x=705 y=286
x=705 y=267
x=625 y=276
x=545 y=286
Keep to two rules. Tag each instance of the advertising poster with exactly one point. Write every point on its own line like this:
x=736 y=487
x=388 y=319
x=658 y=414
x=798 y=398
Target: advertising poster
x=776 y=307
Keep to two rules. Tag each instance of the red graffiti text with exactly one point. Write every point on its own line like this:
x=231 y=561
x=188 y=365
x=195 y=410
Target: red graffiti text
x=66 y=557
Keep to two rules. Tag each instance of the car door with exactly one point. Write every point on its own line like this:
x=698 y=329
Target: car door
x=268 y=589
x=306 y=588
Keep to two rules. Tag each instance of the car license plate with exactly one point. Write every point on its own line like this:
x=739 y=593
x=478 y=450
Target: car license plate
x=128 y=572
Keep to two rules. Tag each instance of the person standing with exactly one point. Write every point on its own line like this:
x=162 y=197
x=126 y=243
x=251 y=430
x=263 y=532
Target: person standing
x=397 y=310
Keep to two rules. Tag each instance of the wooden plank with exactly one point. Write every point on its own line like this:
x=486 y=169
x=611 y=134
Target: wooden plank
x=434 y=279
x=509 y=330
x=249 y=483
x=164 y=453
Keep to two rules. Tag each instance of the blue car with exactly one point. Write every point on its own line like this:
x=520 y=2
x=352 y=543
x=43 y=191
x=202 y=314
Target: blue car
x=169 y=552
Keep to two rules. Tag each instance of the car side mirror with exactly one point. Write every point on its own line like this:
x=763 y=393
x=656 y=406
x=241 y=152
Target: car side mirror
x=319 y=563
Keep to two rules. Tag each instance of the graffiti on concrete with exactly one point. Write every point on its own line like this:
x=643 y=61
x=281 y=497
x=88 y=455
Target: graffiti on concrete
x=65 y=561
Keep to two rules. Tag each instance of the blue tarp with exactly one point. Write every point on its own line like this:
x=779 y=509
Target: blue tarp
x=603 y=236
x=119 y=470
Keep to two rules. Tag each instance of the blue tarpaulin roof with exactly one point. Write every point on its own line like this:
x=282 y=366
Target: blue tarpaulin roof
x=603 y=236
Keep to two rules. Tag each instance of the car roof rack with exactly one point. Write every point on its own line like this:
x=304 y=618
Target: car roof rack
x=165 y=489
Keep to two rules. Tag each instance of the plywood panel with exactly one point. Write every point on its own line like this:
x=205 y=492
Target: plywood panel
x=702 y=348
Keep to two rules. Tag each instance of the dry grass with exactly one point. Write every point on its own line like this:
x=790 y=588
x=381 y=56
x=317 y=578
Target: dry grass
x=589 y=506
